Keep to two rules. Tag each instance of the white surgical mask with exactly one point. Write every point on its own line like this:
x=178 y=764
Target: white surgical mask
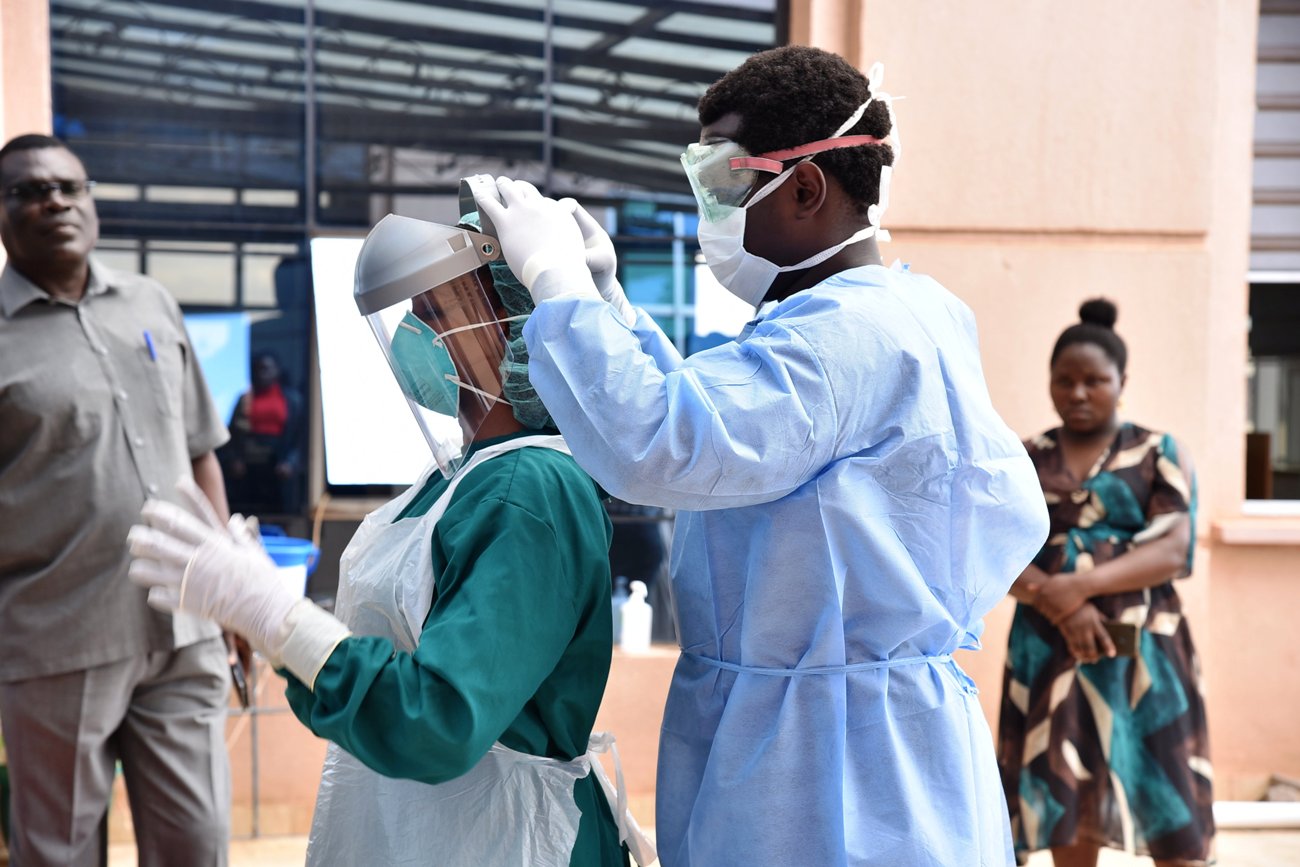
x=746 y=275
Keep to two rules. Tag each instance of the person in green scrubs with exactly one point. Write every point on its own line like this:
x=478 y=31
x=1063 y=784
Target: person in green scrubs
x=459 y=682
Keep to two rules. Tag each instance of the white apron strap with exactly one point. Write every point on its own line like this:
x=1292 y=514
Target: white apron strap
x=416 y=599
x=629 y=831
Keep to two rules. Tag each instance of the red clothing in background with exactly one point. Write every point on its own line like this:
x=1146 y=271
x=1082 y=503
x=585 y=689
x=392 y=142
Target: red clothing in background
x=268 y=411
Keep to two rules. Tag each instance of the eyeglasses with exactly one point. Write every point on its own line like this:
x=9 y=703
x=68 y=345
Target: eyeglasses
x=39 y=191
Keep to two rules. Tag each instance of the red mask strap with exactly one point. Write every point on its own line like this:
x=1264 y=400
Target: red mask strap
x=771 y=161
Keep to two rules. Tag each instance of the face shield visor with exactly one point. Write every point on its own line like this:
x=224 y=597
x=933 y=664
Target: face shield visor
x=426 y=293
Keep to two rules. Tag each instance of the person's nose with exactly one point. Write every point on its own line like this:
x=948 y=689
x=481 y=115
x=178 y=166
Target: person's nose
x=1079 y=393
x=56 y=200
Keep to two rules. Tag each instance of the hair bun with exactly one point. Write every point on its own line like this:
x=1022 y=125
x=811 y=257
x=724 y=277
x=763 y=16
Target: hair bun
x=1099 y=311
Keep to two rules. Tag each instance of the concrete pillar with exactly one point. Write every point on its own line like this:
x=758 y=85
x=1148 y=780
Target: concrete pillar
x=835 y=25
x=24 y=67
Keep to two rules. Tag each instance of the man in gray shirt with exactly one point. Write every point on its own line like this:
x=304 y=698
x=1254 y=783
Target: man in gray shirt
x=102 y=404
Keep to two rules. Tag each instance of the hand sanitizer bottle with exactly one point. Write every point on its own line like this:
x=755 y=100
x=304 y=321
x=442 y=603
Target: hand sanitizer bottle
x=637 y=615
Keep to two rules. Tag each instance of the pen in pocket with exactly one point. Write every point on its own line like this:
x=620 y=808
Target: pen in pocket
x=148 y=342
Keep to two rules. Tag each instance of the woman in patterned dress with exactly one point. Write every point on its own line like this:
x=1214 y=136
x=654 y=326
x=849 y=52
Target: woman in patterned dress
x=1100 y=745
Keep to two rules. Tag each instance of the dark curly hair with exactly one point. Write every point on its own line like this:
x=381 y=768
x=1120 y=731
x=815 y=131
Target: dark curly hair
x=1096 y=325
x=794 y=95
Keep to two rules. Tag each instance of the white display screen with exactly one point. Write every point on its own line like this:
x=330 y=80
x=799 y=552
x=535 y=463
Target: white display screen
x=371 y=436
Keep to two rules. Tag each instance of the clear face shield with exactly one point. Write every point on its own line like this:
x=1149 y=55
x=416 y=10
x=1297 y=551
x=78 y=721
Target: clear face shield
x=427 y=294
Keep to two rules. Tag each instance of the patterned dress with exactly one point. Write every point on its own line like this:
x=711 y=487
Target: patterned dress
x=1116 y=751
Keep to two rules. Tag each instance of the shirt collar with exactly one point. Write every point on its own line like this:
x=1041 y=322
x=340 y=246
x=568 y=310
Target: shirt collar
x=16 y=291
x=101 y=279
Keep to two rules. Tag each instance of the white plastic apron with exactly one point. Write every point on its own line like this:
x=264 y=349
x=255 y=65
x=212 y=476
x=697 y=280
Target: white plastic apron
x=511 y=808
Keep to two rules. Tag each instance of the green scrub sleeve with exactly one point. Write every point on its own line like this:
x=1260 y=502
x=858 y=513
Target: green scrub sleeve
x=490 y=640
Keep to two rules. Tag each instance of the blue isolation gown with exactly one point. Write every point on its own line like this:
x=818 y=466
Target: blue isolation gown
x=849 y=507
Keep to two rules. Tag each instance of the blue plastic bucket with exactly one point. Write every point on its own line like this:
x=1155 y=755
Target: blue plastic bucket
x=294 y=559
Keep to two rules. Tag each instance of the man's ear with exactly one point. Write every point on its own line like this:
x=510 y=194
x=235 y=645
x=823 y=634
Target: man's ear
x=808 y=188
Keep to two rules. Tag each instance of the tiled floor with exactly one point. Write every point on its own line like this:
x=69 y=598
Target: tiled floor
x=1236 y=849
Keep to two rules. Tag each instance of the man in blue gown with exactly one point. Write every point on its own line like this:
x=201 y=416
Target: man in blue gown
x=849 y=504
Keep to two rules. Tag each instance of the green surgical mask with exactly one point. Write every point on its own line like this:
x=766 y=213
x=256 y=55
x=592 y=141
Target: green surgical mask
x=424 y=367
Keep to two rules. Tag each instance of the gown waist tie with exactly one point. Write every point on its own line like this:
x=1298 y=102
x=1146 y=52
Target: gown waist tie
x=937 y=659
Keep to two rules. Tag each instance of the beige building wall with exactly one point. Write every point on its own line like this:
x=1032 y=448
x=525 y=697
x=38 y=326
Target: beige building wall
x=1058 y=151
x=24 y=68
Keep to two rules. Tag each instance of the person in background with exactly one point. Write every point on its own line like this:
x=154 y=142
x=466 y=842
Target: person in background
x=849 y=504
x=460 y=681
x=102 y=404
x=1102 y=739
x=262 y=462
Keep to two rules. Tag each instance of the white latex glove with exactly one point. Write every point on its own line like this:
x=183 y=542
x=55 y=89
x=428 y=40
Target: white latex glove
x=601 y=261
x=184 y=529
x=540 y=240
x=191 y=562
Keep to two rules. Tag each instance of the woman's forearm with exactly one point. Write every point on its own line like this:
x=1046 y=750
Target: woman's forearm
x=1025 y=588
x=1146 y=565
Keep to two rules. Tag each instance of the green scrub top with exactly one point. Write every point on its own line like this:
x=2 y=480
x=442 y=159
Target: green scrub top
x=516 y=647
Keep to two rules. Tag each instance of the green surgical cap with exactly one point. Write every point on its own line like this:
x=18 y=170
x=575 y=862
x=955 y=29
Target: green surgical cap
x=528 y=407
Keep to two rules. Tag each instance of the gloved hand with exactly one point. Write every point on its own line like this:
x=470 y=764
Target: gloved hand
x=541 y=242
x=601 y=261
x=192 y=562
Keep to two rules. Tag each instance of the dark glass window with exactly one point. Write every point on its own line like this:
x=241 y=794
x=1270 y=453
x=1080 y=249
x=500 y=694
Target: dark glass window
x=192 y=110
x=1273 y=440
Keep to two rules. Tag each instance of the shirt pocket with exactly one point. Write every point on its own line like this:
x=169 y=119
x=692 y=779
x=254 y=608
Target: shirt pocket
x=164 y=369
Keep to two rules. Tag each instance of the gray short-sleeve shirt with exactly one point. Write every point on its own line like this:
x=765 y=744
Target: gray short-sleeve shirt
x=102 y=404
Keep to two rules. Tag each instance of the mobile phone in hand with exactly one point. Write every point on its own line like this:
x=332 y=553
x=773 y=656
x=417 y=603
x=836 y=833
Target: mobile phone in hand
x=240 y=682
x=1125 y=636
